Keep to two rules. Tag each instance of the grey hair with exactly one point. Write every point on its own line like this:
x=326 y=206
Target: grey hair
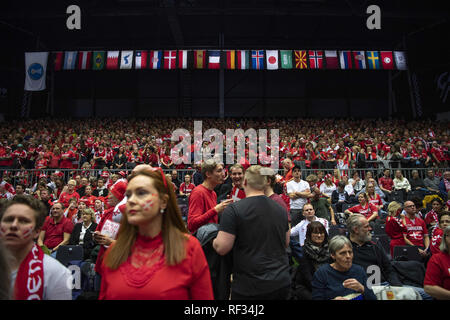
x=337 y=243
x=354 y=221
x=443 y=246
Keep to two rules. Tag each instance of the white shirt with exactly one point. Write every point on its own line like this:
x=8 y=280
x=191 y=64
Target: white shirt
x=349 y=189
x=57 y=280
x=328 y=190
x=300 y=186
x=83 y=232
x=300 y=228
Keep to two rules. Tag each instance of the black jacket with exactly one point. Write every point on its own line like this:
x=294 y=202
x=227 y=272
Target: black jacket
x=88 y=241
x=335 y=197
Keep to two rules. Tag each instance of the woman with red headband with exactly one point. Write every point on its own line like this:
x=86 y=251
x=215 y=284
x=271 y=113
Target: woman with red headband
x=154 y=257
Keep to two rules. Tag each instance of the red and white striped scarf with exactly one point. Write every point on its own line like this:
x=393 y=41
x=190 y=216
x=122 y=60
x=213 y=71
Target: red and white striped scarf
x=30 y=276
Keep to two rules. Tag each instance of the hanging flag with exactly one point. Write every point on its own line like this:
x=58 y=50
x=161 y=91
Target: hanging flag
x=229 y=59
x=387 y=61
x=126 y=59
x=155 y=59
x=301 y=61
x=359 y=58
x=200 y=59
x=346 y=60
x=286 y=59
x=70 y=59
x=400 y=60
x=258 y=59
x=214 y=59
x=35 y=70
x=84 y=60
x=315 y=59
x=272 y=59
x=170 y=59
x=112 y=60
x=57 y=60
x=182 y=59
x=373 y=60
x=243 y=60
x=140 y=59
x=98 y=60
x=331 y=59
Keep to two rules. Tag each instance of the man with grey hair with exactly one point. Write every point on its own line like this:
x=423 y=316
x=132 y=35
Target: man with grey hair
x=431 y=182
x=256 y=229
x=203 y=207
x=366 y=253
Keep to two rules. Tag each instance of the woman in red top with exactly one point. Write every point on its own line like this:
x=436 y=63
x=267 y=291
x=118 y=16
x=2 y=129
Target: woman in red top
x=365 y=208
x=431 y=218
x=154 y=257
x=395 y=226
x=55 y=158
x=436 y=236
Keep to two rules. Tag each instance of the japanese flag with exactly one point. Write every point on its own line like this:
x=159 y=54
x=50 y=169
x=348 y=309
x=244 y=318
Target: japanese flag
x=272 y=59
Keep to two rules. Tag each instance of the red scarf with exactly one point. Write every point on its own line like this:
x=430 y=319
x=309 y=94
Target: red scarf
x=30 y=276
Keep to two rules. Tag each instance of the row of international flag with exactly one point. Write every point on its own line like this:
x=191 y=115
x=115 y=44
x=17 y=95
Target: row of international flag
x=229 y=59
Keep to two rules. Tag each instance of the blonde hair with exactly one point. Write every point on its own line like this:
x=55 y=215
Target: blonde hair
x=393 y=207
x=254 y=177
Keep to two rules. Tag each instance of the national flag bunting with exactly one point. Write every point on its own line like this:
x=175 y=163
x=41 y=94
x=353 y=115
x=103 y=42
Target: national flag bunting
x=98 y=60
x=230 y=59
x=126 y=59
x=112 y=60
x=140 y=59
x=170 y=59
x=57 y=60
x=84 y=60
x=70 y=60
x=257 y=59
x=200 y=59
x=373 y=60
x=214 y=59
x=301 y=60
x=155 y=59
x=272 y=59
x=286 y=59
x=346 y=60
x=315 y=59
x=243 y=59
x=182 y=59
x=387 y=61
x=400 y=60
x=331 y=59
x=359 y=59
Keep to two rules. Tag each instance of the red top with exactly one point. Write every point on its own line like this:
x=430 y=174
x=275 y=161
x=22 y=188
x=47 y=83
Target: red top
x=438 y=271
x=146 y=276
x=201 y=208
x=416 y=231
x=367 y=211
x=436 y=239
x=54 y=232
x=395 y=229
x=65 y=197
x=386 y=183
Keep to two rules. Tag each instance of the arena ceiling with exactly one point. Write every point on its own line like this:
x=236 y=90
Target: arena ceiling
x=142 y=24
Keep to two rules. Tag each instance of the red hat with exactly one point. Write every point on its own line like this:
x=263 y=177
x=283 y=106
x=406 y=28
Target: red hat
x=105 y=174
x=123 y=174
x=118 y=190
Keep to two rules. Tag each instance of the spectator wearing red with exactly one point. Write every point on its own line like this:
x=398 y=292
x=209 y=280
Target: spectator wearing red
x=203 y=207
x=187 y=186
x=365 y=208
x=395 y=226
x=417 y=232
x=6 y=158
x=55 y=158
x=67 y=156
x=438 y=232
x=66 y=195
x=432 y=217
x=72 y=209
x=56 y=229
x=437 y=155
x=385 y=182
x=19 y=157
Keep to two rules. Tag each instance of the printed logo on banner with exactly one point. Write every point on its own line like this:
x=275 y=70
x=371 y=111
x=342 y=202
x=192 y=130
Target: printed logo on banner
x=110 y=229
x=35 y=71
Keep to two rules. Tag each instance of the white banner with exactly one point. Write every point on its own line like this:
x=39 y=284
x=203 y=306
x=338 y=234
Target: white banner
x=35 y=70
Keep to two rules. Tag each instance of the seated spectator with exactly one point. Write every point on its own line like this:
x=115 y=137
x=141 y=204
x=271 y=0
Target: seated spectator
x=72 y=209
x=395 y=226
x=82 y=232
x=340 y=196
x=444 y=185
x=367 y=253
x=436 y=236
x=356 y=182
x=56 y=230
x=432 y=182
x=176 y=181
x=431 y=218
x=328 y=186
x=315 y=254
x=416 y=230
x=386 y=183
x=69 y=193
x=365 y=208
x=88 y=197
x=416 y=182
x=437 y=277
x=375 y=199
x=341 y=280
x=98 y=209
x=101 y=190
x=300 y=229
x=186 y=187
x=322 y=206
x=401 y=183
x=34 y=275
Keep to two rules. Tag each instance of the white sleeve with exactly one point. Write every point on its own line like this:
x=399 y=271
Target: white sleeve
x=57 y=280
x=289 y=188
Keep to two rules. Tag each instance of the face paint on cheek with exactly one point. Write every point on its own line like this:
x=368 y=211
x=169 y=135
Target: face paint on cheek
x=27 y=233
x=148 y=204
x=2 y=231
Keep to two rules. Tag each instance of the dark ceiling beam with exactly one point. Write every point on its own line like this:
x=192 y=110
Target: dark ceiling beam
x=174 y=22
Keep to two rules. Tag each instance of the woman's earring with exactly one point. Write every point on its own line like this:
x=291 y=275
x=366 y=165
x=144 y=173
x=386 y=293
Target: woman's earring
x=162 y=210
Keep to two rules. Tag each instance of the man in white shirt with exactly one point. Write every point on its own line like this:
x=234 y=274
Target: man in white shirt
x=310 y=216
x=298 y=191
